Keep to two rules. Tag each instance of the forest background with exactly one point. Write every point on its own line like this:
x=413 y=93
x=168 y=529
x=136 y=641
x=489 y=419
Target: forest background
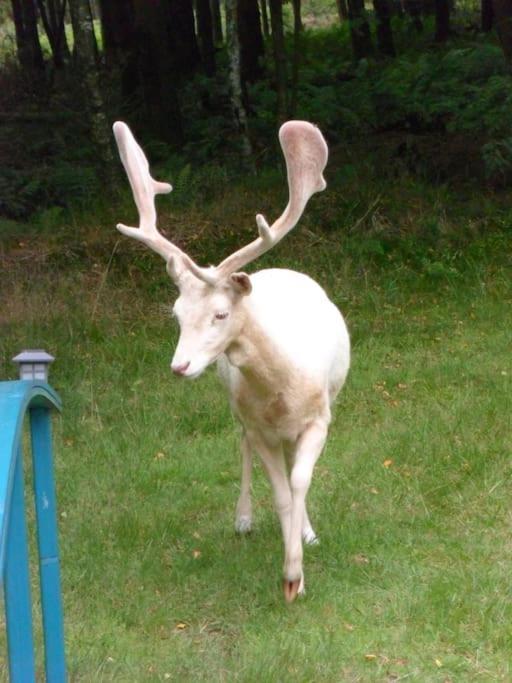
x=411 y=239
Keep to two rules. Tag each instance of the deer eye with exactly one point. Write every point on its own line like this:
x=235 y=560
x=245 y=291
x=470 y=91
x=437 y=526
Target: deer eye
x=221 y=316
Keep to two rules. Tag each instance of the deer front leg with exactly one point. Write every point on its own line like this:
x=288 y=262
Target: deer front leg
x=243 y=518
x=274 y=465
x=309 y=447
x=308 y=533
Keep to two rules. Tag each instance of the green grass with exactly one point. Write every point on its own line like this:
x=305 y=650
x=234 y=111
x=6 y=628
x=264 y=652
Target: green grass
x=411 y=499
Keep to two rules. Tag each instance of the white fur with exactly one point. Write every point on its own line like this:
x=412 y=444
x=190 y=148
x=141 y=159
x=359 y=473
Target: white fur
x=282 y=373
x=281 y=345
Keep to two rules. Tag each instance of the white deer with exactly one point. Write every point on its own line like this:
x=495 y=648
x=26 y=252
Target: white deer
x=281 y=346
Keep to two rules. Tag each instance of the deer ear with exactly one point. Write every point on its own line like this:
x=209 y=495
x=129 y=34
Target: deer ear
x=242 y=283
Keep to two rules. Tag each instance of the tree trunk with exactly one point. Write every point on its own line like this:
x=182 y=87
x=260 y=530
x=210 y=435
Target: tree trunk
x=251 y=40
x=239 y=113
x=442 y=20
x=264 y=18
x=183 y=37
x=503 y=22
x=428 y=7
x=413 y=9
x=297 y=35
x=341 y=6
x=487 y=15
x=52 y=15
x=156 y=70
x=276 y=21
x=359 y=30
x=85 y=46
x=385 y=43
x=205 y=35
x=117 y=28
x=27 y=38
x=396 y=8
x=217 y=23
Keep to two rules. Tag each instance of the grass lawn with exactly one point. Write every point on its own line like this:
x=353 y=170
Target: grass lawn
x=411 y=498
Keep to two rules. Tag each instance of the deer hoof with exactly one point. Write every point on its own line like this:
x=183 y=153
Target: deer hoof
x=310 y=538
x=243 y=524
x=293 y=588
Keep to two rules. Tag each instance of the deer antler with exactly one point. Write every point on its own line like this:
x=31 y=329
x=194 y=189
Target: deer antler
x=144 y=189
x=305 y=152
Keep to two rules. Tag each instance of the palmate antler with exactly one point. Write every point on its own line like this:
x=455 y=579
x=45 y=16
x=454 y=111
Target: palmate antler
x=305 y=152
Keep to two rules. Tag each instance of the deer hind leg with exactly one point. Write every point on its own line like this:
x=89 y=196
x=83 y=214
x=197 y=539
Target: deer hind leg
x=243 y=516
x=308 y=533
x=308 y=450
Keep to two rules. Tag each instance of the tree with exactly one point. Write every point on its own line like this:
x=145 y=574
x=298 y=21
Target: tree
x=264 y=18
x=181 y=29
x=385 y=43
x=359 y=30
x=238 y=109
x=156 y=69
x=117 y=27
x=27 y=38
x=53 y=13
x=442 y=20
x=486 y=15
x=502 y=10
x=217 y=22
x=297 y=34
x=85 y=55
x=341 y=6
x=276 y=21
x=251 y=40
x=413 y=9
x=205 y=35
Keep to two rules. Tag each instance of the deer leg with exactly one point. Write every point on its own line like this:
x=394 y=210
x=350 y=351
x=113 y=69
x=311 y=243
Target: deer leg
x=243 y=517
x=308 y=533
x=309 y=447
x=275 y=467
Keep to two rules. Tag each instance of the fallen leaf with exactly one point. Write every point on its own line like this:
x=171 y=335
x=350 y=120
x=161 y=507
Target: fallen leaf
x=370 y=657
x=439 y=663
x=361 y=559
x=387 y=463
x=181 y=626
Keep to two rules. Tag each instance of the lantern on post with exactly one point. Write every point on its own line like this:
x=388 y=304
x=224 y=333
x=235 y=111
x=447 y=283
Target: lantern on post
x=33 y=364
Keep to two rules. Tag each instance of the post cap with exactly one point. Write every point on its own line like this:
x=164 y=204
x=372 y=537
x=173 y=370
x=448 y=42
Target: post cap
x=33 y=364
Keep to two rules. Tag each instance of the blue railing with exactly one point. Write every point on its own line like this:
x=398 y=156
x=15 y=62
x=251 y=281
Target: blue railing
x=37 y=399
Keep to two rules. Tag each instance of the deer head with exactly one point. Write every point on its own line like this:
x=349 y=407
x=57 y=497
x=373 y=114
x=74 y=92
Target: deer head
x=209 y=308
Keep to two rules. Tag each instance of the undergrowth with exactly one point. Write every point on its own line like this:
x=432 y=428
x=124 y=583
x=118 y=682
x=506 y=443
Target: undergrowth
x=440 y=114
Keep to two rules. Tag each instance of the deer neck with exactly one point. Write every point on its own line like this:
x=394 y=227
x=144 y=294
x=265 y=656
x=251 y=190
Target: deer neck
x=258 y=357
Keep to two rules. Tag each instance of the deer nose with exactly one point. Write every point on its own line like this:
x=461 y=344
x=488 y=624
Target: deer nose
x=180 y=369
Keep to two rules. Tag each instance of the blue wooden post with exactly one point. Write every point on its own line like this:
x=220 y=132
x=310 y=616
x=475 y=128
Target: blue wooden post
x=49 y=568
x=34 y=396
x=18 y=605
